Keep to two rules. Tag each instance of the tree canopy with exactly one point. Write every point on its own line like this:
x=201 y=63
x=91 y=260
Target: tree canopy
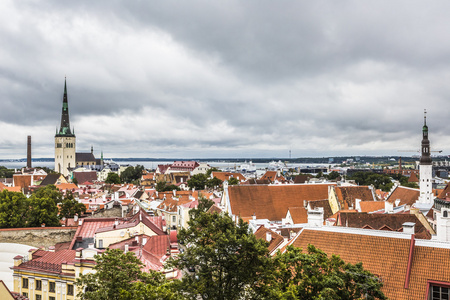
x=71 y=207
x=41 y=207
x=379 y=181
x=118 y=276
x=314 y=275
x=132 y=174
x=112 y=178
x=162 y=186
x=227 y=258
x=233 y=181
x=13 y=209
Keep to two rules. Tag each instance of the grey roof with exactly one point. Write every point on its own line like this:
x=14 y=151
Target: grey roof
x=50 y=179
x=88 y=156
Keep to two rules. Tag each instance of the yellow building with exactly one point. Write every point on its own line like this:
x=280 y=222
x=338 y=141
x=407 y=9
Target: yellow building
x=51 y=275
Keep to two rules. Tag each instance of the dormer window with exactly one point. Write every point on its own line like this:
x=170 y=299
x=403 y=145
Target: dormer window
x=445 y=214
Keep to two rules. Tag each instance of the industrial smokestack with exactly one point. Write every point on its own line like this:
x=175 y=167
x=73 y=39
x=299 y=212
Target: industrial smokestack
x=29 y=152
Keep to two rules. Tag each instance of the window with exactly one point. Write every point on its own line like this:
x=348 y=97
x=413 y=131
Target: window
x=25 y=283
x=38 y=297
x=174 y=219
x=38 y=286
x=70 y=289
x=100 y=243
x=51 y=298
x=439 y=293
x=52 y=287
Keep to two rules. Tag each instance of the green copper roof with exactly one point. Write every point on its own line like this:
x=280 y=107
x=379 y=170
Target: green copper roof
x=64 y=129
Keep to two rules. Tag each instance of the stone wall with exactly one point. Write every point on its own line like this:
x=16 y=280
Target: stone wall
x=37 y=237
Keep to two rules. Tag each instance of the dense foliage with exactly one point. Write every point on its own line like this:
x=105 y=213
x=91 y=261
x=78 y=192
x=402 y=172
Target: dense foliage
x=314 y=275
x=202 y=181
x=228 y=259
x=118 y=276
x=162 y=186
x=40 y=208
x=112 y=178
x=233 y=181
x=5 y=172
x=132 y=174
x=379 y=181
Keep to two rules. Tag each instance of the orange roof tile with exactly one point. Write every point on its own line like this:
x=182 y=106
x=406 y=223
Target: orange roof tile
x=275 y=239
x=13 y=188
x=406 y=195
x=272 y=201
x=299 y=215
x=371 y=206
x=385 y=257
x=227 y=175
x=348 y=194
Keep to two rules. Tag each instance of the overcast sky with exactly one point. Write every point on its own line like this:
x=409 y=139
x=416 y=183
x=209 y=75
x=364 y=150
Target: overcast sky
x=188 y=79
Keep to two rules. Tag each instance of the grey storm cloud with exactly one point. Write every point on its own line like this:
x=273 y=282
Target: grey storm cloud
x=236 y=78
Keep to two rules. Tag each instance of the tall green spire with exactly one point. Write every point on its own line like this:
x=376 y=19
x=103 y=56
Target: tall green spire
x=64 y=130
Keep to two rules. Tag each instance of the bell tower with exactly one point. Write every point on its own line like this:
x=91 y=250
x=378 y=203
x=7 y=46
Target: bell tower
x=425 y=167
x=64 y=140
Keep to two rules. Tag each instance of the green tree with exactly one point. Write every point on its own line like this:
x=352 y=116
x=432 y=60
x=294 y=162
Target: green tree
x=404 y=181
x=162 y=186
x=13 y=209
x=210 y=170
x=229 y=261
x=379 y=181
x=197 y=181
x=5 y=172
x=314 y=275
x=112 y=178
x=213 y=182
x=42 y=211
x=202 y=207
x=333 y=175
x=131 y=174
x=233 y=181
x=71 y=207
x=118 y=276
x=49 y=191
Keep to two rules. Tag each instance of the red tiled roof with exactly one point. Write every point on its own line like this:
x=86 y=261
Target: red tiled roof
x=272 y=201
x=325 y=204
x=47 y=261
x=406 y=195
x=275 y=241
x=370 y=206
x=386 y=258
x=299 y=215
x=227 y=175
x=272 y=176
x=88 y=176
x=392 y=222
x=90 y=226
x=348 y=194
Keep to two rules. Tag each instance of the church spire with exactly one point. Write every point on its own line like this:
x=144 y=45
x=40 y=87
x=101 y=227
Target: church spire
x=64 y=130
x=425 y=158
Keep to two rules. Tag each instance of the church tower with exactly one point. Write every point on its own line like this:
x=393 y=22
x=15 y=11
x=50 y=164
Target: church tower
x=64 y=141
x=425 y=168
